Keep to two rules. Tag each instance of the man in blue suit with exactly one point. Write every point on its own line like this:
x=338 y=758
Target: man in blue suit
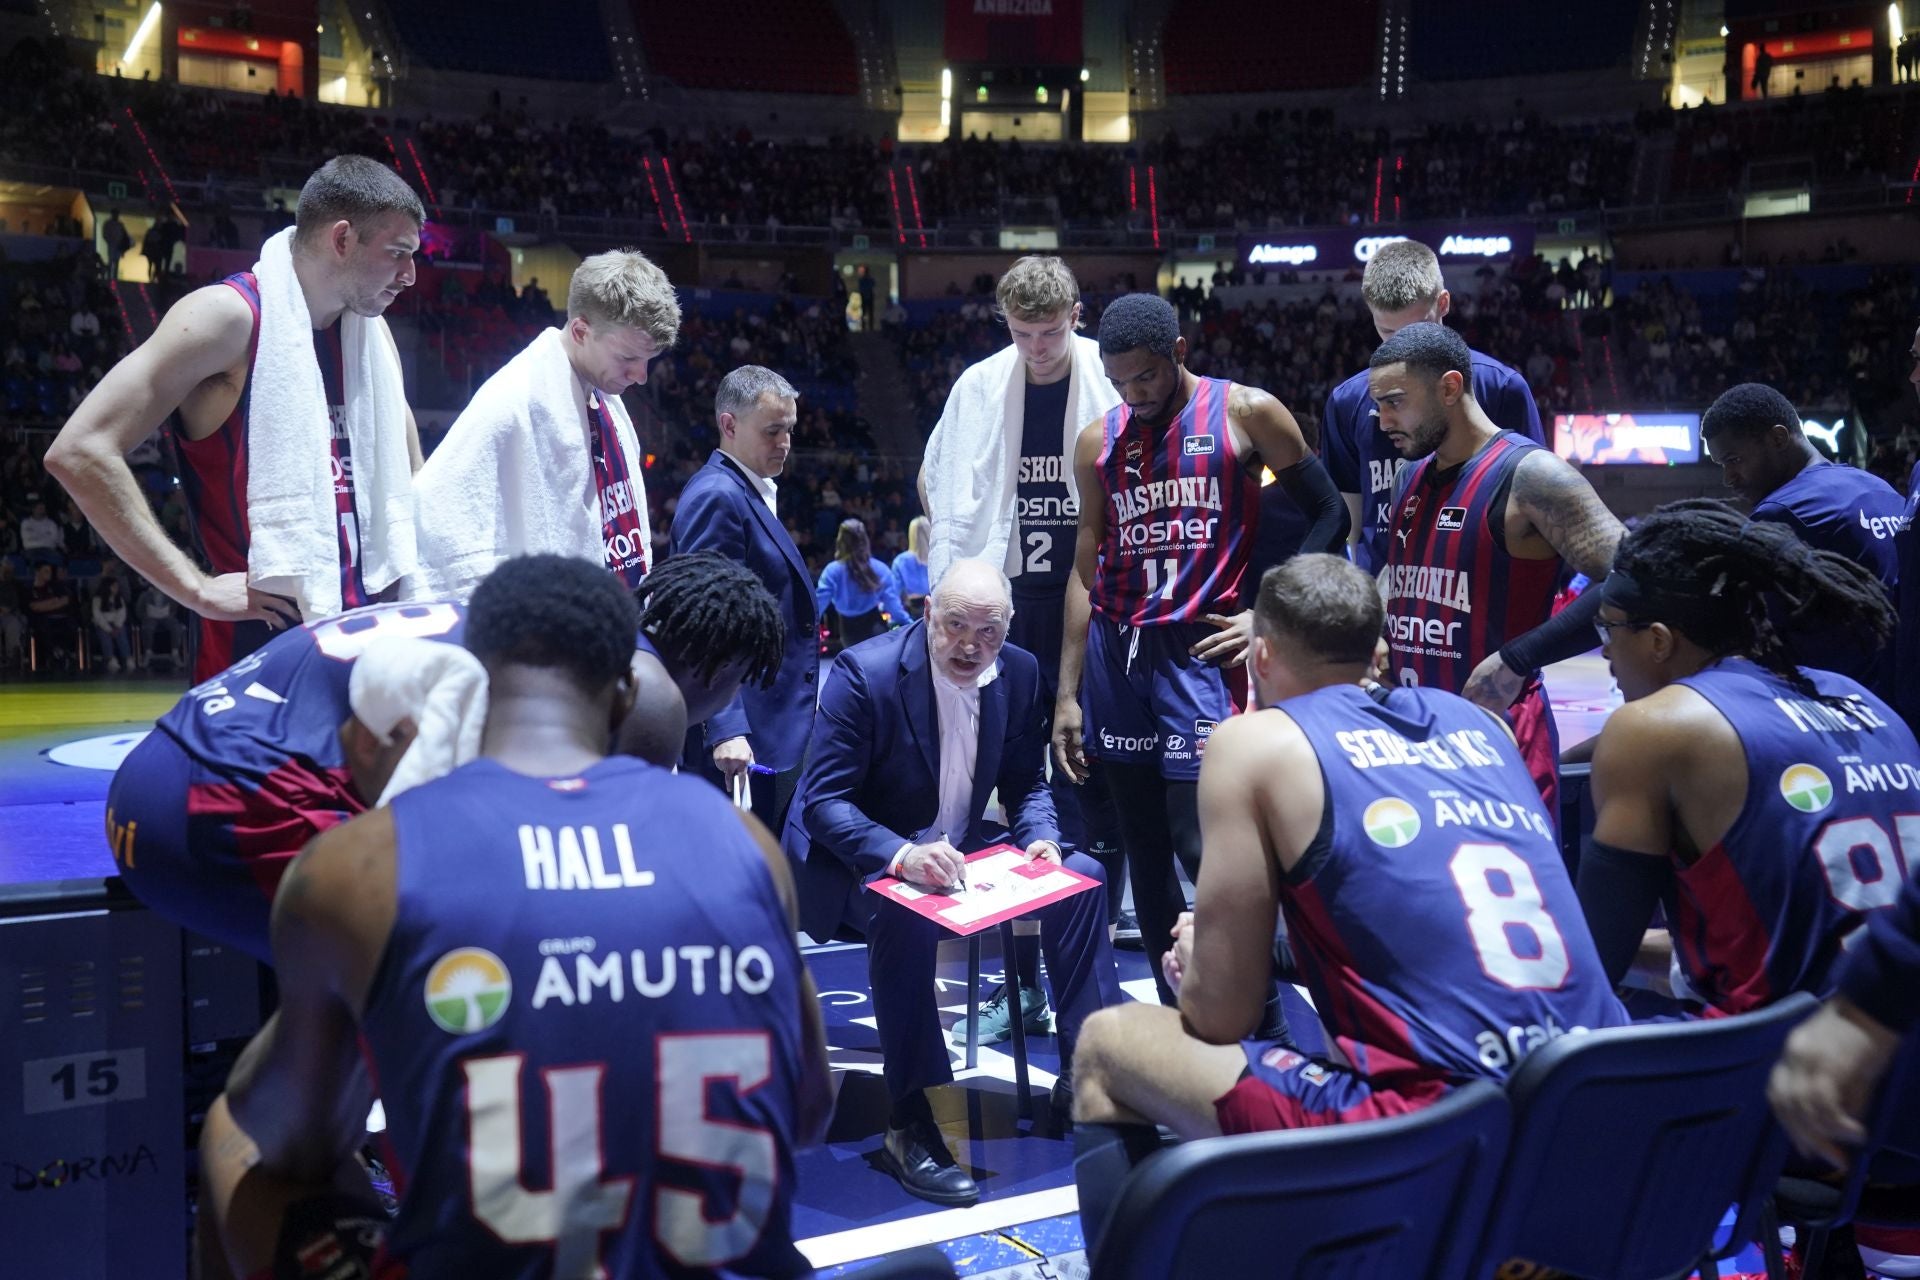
x=915 y=729
x=728 y=507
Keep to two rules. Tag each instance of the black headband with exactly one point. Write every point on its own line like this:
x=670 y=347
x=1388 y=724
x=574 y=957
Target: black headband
x=1691 y=606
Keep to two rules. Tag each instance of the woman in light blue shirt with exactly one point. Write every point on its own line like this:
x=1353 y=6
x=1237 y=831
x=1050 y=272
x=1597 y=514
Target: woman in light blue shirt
x=910 y=567
x=858 y=587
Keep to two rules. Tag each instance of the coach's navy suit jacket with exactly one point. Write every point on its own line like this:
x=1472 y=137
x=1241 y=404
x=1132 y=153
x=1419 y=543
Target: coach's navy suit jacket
x=872 y=781
x=720 y=511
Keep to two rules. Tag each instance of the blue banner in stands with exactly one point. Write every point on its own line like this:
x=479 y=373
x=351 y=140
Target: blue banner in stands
x=1341 y=248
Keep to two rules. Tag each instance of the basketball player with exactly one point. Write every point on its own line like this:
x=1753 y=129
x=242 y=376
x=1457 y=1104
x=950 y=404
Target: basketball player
x=1907 y=634
x=546 y=442
x=1770 y=805
x=998 y=485
x=607 y=1049
x=357 y=230
x=1754 y=433
x=206 y=813
x=1425 y=898
x=1403 y=285
x=1484 y=520
x=1170 y=491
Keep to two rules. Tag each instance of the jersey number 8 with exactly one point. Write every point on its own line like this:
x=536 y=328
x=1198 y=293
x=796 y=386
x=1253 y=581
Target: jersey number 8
x=1504 y=907
x=346 y=637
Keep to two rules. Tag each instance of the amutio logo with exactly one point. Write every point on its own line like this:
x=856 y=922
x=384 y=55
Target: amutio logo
x=467 y=991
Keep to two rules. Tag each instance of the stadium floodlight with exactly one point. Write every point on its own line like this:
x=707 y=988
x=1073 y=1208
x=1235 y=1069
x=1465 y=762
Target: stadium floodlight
x=141 y=32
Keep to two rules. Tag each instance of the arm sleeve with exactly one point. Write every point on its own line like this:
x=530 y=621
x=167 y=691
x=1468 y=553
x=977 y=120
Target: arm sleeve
x=1307 y=483
x=1567 y=634
x=1881 y=973
x=1618 y=892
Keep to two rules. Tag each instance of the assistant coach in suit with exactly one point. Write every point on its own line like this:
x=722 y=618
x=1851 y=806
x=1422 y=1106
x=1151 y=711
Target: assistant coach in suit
x=729 y=507
x=916 y=728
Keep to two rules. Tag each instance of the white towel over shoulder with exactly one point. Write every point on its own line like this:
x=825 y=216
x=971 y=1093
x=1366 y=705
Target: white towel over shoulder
x=514 y=475
x=973 y=456
x=291 y=511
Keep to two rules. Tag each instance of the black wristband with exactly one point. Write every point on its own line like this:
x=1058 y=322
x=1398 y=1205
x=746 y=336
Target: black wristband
x=1619 y=889
x=1567 y=634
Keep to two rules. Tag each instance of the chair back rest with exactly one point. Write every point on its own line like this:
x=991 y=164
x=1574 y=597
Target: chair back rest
x=1629 y=1144
x=1404 y=1197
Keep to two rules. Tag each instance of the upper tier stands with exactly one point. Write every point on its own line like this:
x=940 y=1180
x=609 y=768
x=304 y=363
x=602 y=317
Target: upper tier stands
x=1216 y=46
x=764 y=46
x=564 y=40
x=1491 y=39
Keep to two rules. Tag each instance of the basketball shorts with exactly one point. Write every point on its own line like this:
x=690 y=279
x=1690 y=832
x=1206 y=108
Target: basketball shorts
x=207 y=851
x=1145 y=698
x=332 y=1237
x=1531 y=719
x=1282 y=1088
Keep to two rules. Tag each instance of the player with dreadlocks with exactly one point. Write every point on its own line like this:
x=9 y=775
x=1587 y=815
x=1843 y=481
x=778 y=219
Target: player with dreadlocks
x=328 y=720
x=1766 y=804
x=707 y=626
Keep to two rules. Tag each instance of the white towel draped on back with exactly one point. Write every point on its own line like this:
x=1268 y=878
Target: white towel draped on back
x=293 y=519
x=973 y=456
x=440 y=687
x=514 y=475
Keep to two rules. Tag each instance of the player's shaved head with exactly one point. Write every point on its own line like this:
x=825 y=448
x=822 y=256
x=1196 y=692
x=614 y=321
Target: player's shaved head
x=1324 y=606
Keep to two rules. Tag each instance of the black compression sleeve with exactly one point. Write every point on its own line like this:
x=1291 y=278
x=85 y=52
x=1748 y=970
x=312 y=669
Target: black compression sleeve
x=1311 y=488
x=1619 y=889
x=1567 y=634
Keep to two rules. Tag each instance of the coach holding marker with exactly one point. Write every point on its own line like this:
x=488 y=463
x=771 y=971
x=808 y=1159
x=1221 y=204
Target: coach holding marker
x=917 y=727
x=729 y=507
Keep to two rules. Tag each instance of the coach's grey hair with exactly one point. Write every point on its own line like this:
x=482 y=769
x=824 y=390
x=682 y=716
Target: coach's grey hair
x=1401 y=274
x=742 y=389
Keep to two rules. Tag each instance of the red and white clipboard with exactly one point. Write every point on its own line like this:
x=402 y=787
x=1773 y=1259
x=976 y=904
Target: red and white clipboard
x=1002 y=884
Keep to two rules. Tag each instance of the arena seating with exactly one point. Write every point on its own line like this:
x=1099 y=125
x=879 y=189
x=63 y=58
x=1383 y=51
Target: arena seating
x=567 y=43
x=1212 y=46
x=1489 y=39
x=771 y=46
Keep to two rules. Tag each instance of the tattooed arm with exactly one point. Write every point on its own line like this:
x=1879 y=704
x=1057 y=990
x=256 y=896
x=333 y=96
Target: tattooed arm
x=1551 y=509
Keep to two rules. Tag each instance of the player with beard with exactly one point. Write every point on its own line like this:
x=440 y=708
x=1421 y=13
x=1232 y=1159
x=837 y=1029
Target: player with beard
x=1481 y=527
x=1170 y=488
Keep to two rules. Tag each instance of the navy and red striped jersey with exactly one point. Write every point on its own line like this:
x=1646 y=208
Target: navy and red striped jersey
x=213 y=479
x=1182 y=512
x=1454 y=592
x=597 y=1037
x=627 y=552
x=1829 y=832
x=1432 y=916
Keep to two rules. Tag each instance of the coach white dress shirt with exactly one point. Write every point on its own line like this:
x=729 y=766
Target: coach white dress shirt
x=767 y=489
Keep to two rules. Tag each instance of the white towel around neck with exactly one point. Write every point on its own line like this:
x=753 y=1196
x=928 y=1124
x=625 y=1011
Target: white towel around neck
x=973 y=456
x=514 y=475
x=294 y=522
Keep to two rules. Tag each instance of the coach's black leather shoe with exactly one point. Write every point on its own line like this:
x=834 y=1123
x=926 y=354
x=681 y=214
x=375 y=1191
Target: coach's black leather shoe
x=1060 y=1102
x=917 y=1155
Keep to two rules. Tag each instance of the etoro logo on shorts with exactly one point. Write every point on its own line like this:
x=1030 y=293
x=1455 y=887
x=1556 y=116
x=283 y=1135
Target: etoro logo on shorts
x=1121 y=742
x=1391 y=822
x=1806 y=788
x=467 y=990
